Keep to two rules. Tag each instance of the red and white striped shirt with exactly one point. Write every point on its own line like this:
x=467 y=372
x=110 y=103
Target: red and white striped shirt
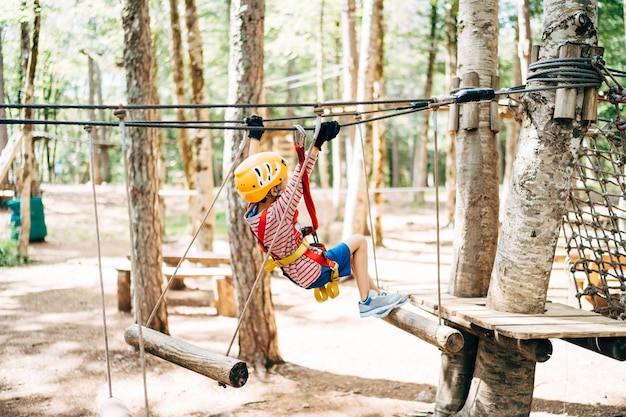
x=305 y=270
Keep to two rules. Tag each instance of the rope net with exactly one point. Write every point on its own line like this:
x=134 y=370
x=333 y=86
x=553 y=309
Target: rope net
x=594 y=225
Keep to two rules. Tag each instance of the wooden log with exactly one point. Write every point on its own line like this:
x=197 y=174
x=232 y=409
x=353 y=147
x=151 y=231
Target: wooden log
x=453 y=117
x=538 y=350
x=113 y=407
x=457 y=370
x=223 y=369
x=494 y=108
x=470 y=114
x=445 y=338
x=565 y=99
x=612 y=347
x=590 y=98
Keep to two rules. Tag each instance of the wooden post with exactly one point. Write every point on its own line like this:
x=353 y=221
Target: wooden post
x=494 y=111
x=565 y=101
x=444 y=337
x=226 y=297
x=455 y=379
x=123 y=290
x=590 y=97
x=470 y=114
x=453 y=118
x=223 y=369
x=113 y=407
x=612 y=347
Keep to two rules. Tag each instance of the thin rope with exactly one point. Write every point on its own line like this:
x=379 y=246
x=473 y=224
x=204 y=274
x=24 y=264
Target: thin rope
x=369 y=206
x=203 y=106
x=193 y=239
x=436 y=168
x=97 y=225
x=121 y=114
x=280 y=225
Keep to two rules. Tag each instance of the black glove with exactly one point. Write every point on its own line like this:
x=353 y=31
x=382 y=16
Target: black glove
x=255 y=121
x=328 y=131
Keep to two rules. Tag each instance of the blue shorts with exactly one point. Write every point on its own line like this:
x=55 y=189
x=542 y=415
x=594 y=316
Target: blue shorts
x=340 y=254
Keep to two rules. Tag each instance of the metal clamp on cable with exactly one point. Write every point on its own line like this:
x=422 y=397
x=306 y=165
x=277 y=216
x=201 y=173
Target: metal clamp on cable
x=474 y=94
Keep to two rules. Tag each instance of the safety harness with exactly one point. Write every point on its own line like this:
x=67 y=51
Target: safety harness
x=331 y=289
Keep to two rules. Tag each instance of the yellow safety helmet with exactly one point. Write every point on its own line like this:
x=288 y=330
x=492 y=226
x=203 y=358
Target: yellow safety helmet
x=258 y=173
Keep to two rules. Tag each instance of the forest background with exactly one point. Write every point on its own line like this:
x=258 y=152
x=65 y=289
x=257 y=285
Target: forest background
x=73 y=31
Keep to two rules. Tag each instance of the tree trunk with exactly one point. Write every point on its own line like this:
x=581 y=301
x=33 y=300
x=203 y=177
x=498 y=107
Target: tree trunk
x=4 y=136
x=420 y=157
x=476 y=211
x=525 y=38
x=204 y=153
x=95 y=135
x=451 y=53
x=534 y=210
x=350 y=78
x=355 y=213
x=143 y=174
x=512 y=133
x=178 y=76
x=28 y=162
x=258 y=342
x=379 y=148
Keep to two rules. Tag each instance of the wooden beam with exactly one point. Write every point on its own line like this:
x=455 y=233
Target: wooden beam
x=445 y=338
x=613 y=347
x=223 y=369
x=538 y=350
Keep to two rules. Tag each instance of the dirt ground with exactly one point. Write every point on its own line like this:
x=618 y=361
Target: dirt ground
x=53 y=357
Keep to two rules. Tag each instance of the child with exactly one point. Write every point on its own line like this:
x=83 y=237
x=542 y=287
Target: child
x=262 y=180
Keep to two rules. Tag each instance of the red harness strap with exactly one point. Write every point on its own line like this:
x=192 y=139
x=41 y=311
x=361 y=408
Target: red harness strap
x=306 y=189
x=320 y=259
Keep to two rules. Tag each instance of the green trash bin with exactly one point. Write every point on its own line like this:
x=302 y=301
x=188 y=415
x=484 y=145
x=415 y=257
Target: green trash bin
x=38 y=230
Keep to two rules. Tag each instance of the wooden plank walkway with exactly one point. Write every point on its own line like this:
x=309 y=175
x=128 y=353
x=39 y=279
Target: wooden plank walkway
x=558 y=321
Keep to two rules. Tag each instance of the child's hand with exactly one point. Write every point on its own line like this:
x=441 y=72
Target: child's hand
x=255 y=121
x=328 y=131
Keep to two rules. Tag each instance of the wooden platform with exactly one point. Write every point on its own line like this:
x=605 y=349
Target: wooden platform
x=559 y=320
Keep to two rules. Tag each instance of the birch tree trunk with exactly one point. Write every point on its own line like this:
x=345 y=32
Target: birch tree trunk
x=258 y=342
x=203 y=148
x=513 y=129
x=476 y=211
x=541 y=174
x=503 y=382
x=146 y=257
x=525 y=37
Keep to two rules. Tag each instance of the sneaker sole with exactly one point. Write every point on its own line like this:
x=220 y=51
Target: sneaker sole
x=386 y=312
x=373 y=311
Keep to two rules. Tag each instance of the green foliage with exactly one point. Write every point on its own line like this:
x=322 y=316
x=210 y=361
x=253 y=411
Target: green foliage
x=291 y=42
x=611 y=32
x=9 y=255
